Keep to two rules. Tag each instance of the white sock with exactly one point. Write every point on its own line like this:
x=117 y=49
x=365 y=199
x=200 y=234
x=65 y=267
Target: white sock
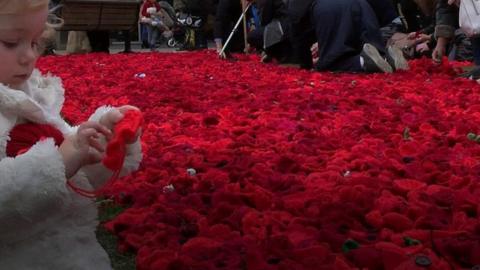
x=362 y=62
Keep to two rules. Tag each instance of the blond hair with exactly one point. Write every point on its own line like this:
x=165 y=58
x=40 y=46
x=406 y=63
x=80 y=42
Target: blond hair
x=21 y=6
x=14 y=7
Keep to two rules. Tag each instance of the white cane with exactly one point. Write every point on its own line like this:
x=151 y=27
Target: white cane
x=234 y=30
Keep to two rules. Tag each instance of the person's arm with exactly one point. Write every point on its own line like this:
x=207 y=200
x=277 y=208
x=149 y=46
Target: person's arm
x=265 y=8
x=445 y=16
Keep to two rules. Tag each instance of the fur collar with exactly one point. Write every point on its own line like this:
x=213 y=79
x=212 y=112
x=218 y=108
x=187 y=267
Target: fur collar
x=38 y=100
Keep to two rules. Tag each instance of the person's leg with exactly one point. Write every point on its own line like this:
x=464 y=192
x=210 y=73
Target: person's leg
x=99 y=41
x=127 y=41
x=155 y=34
x=200 y=39
x=476 y=50
x=149 y=29
x=370 y=29
x=338 y=31
x=348 y=36
x=255 y=38
x=152 y=36
x=462 y=49
x=144 y=35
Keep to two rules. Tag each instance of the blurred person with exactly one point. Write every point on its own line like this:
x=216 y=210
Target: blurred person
x=227 y=14
x=150 y=7
x=272 y=36
x=347 y=34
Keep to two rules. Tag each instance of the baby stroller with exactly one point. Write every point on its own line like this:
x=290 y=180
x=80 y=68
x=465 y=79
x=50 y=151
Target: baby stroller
x=185 y=30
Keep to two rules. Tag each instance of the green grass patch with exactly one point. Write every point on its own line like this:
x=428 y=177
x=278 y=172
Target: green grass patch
x=107 y=210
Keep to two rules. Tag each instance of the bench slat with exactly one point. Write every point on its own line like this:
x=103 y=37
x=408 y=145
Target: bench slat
x=112 y=15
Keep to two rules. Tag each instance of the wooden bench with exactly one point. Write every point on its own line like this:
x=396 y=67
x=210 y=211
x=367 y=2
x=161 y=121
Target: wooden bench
x=95 y=15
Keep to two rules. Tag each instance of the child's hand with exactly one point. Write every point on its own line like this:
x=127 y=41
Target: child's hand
x=111 y=118
x=114 y=116
x=83 y=148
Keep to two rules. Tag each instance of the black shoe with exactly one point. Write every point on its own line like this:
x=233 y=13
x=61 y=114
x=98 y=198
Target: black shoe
x=373 y=61
x=265 y=58
x=396 y=59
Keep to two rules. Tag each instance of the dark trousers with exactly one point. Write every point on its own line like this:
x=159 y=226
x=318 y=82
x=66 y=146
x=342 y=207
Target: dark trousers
x=255 y=38
x=341 y=28
x=476 y=50
x=99 y=41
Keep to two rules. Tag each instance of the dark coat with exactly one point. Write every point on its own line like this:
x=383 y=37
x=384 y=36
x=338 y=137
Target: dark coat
x=446 y=17
x=414 y=18
x=228 y=12
x=298 y=10
x=302 y=30
x=272 y=9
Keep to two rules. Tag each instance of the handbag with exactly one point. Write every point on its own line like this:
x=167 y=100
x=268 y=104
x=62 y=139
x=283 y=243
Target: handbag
x=273 y=34
x=469 y=17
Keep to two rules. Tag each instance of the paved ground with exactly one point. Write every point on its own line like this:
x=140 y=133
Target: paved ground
x=118 y=47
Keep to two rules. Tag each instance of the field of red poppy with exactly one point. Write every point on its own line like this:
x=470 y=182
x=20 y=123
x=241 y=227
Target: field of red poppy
x=260 y=167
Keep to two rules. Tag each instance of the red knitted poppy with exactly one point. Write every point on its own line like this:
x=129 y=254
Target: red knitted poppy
x=125 y=131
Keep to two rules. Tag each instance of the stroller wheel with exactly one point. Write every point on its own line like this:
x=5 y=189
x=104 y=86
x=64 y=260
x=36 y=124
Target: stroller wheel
x=189 y=20
x=172 y=43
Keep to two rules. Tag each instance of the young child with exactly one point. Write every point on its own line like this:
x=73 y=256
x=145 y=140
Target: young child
x=44 y=223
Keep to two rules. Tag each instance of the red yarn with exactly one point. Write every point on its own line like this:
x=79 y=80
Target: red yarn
x=24 y=136
x=124 y=132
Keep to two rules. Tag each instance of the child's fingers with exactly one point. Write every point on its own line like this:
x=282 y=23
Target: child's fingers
x=125 y=108
x=97 y=127
x=96 y=144
x=110 y=118
x=84 y=135
x=94 y=156
x=113 y=117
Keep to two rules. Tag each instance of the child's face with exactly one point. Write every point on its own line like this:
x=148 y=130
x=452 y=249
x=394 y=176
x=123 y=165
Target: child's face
x=19 y=36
